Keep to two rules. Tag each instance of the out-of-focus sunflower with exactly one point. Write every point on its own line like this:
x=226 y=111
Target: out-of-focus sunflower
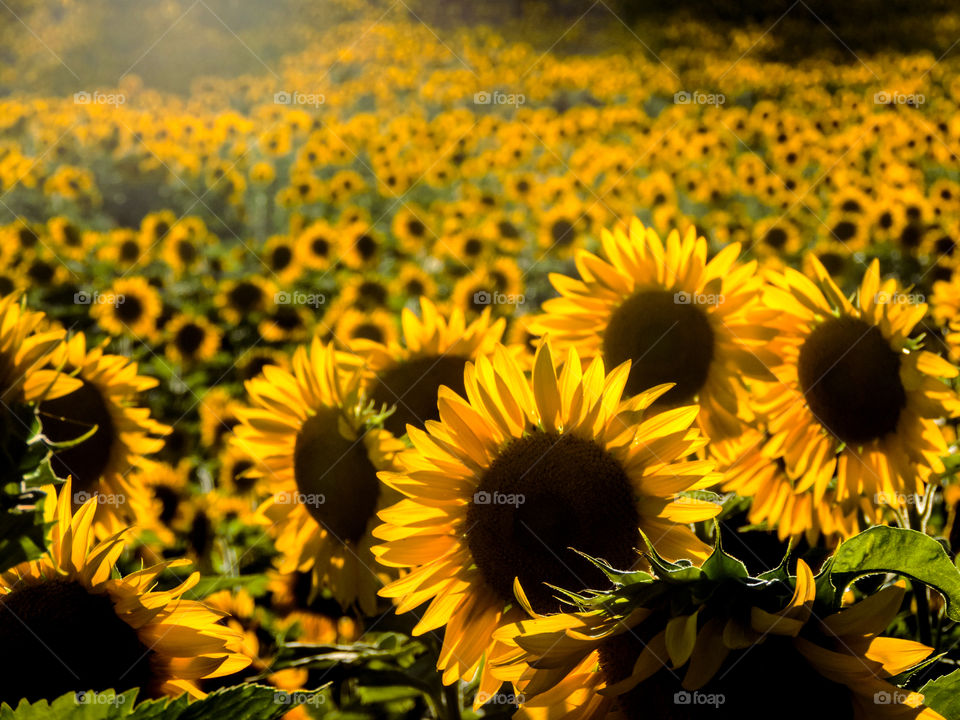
x=361 y=246
x=412 y=282
x=122 y=433
x=514 y=476
x=678 y=317
x=433 y=353
x=240 y=300
x=856 y=398
x=106 y=632
x=594 y=666
x=130 y=307
x=377 y=325
x=308 y=436
x=280 y=257
x=191 y=338
x=318 y=246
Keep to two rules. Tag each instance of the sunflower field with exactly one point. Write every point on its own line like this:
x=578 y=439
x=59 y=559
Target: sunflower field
x=365 y=359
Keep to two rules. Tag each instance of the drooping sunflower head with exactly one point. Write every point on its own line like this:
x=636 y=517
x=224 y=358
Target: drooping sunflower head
x=677 y=317
x=116 y=434
x=308 y=435
x=434 y=352
x=518 y=472
x=856 y=397
x=721 y=659
x=77 y=628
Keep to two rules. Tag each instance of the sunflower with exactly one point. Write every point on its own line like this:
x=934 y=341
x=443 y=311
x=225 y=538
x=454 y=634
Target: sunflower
x=362 y=246
x=116 y=433
x=751 y=472
x=433 y=353
x=106 y=631
x=856 y=398
x=514 y=476
x=317 y=247
x=280 y=256
x=129 y=307
x=239 y=299
x=24 y=353
x=377 y=325
x=593 y=665
x=679 y=318
x=412 y=282
x=308 y=437
x=191 y=338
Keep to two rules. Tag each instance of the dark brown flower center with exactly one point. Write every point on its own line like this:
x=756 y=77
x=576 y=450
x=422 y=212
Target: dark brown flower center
x=337 y=483
x=667 y=339
x=67 y=639
x=544 y=494
x=130 y=310
x=70 y=417
x=412 y=387
x=850 y=377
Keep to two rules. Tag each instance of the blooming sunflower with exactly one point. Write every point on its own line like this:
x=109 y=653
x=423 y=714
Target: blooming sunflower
x=307 y=434
x=518 y=473
x=433 y=353
x=118 y=433
x=106 y=631
x=24 y=352
x=856 y=398
x=131 y=307
x=191 y=338
x=679 y=318
x=592 y=665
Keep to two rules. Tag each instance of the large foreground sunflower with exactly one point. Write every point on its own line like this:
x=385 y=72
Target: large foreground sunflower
x=857 y=400
x=75 y=627
x=515 y=475
x=308 y=437
x=117 y=434
x=677 y=317
x=727 y=664
x=434 y=352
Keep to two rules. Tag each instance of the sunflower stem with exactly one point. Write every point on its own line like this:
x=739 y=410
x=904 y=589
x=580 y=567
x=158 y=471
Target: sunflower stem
x=451 y=697
x=917 y=522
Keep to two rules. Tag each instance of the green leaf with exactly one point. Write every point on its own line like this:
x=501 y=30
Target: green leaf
x=943 y=695
x=904 y=552
x=721 y=566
